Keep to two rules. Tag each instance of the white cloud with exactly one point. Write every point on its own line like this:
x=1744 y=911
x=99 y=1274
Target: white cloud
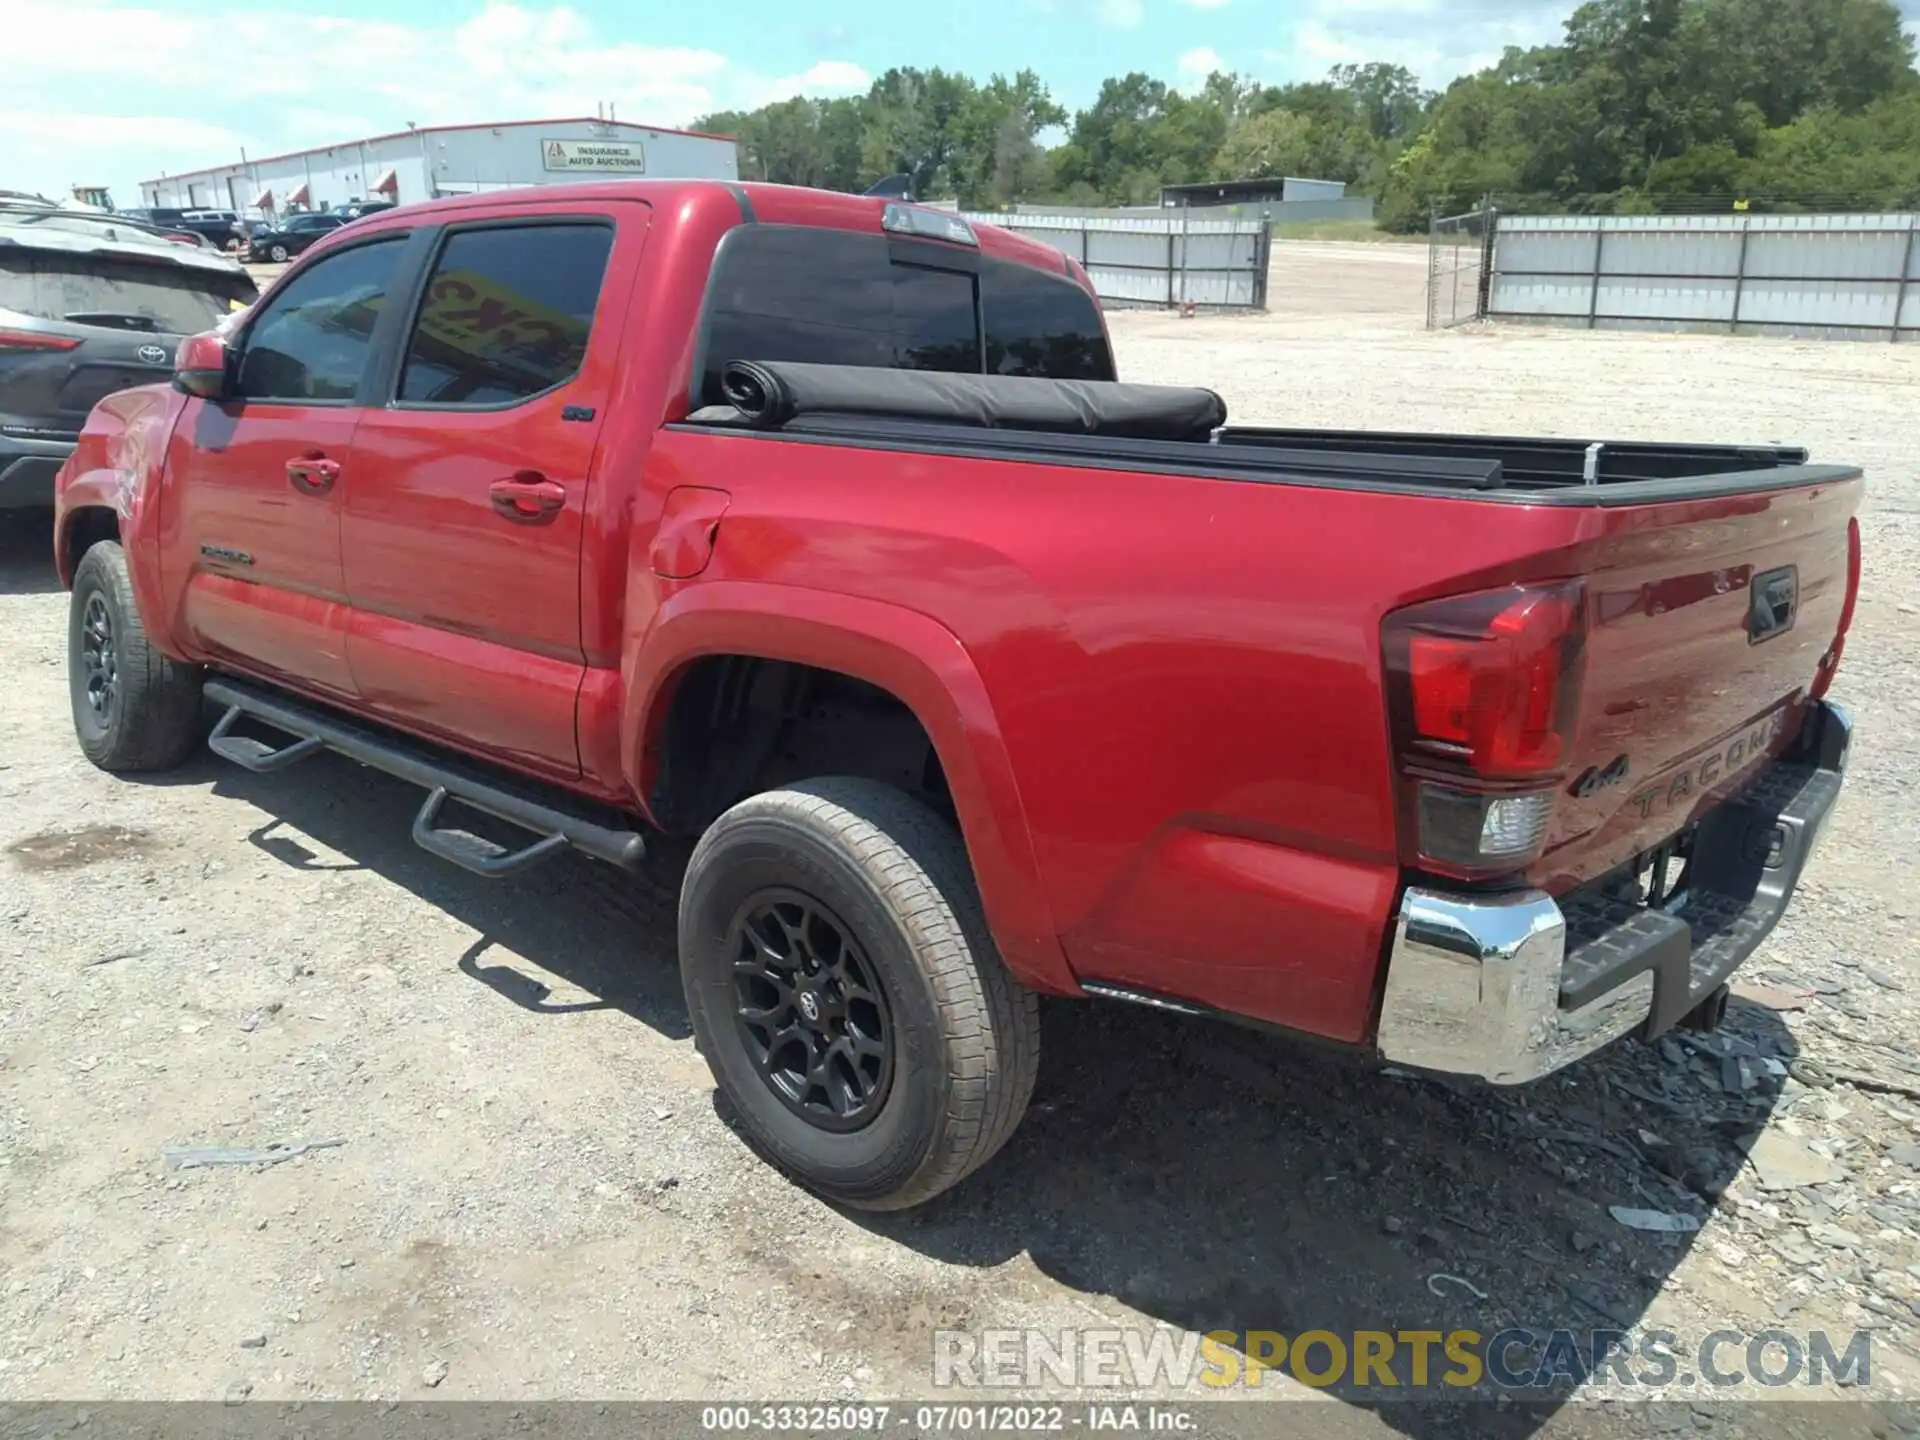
x=172 y=90
x=829 y=77
x=1439 y=40
x=1191 y=69
x=1120 y=14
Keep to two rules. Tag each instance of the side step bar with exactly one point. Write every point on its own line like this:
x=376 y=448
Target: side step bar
x=315 y=730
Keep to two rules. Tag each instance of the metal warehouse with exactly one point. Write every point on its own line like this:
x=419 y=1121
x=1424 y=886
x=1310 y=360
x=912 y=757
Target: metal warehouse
x=429 y=161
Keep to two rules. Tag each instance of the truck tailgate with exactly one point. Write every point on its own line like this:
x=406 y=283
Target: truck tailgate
x=1710 y=625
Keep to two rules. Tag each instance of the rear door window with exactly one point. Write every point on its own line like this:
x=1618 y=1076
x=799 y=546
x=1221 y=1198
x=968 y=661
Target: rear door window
x=833 y=297
x=118 y=294
x=1042 y=325
x=506 y=314
x=311 y=341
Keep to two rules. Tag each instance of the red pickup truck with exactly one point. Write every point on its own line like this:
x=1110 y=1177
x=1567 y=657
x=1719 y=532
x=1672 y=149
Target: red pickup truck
x=818 y=529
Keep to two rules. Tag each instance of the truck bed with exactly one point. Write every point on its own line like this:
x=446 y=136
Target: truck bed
x=1534 y=463
x=1175 y=430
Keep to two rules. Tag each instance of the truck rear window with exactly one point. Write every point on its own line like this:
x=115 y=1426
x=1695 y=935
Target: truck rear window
x=121 y=294
x=831 y=297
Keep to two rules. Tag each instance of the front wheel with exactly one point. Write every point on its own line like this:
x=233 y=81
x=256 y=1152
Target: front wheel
x=133 y=708
x=847 y=995
x=277 y=254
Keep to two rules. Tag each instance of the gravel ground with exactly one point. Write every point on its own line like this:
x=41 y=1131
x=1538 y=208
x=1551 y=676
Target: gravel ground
x=537 y=1198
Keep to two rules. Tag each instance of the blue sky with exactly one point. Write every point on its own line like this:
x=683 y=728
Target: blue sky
x=117 y=93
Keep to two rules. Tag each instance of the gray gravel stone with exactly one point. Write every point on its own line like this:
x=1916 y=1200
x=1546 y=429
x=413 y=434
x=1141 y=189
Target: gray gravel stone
x=1781 y=1162
x=1836 y=1236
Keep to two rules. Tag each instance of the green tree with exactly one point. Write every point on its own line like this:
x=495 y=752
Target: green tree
x=910 y=116
x=1389 y=98
x=797 y=142
x=1273 y=143
x=1114 y=139
x=1643 y=101
x=1827 y=157
x=1788 y=57
x=995 y=156
x=1235 y=96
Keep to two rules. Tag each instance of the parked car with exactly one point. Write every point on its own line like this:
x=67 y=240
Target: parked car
x=219 y=228
x=356 y=209
x=89 y=304
x=281 y=240
x=815 y=533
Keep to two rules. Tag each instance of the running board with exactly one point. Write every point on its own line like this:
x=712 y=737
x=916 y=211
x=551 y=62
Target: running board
x=314 y=730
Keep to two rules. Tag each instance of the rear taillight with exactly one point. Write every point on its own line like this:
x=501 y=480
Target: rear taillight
x=1830 y=662
x=1484 y=690
x=33 y=340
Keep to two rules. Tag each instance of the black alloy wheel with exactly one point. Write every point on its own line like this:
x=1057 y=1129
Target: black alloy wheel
x=811 y=1010
x=99 y=660
x=133 y=708
x=842 y=984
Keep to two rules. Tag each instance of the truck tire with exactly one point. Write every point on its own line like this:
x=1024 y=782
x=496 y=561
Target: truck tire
x=133 y=708
x=847 y=995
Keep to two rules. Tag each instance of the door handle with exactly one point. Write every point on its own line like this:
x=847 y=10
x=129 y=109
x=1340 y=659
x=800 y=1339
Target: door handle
x=312 y=474
x=528 y=498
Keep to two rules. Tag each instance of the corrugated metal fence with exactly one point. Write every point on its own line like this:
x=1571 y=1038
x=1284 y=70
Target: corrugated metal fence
x=1839 y=276
x=1157 y=260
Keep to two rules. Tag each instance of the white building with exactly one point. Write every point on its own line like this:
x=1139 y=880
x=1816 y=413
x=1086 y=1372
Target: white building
x=436 y=160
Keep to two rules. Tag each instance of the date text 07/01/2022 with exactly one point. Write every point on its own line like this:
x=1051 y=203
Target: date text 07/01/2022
x=941 y=1418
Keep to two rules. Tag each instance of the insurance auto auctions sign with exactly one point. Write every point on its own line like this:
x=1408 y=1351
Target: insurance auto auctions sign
x=622 y=157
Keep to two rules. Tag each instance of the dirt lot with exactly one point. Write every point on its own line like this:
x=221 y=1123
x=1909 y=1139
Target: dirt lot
x=536 y=1197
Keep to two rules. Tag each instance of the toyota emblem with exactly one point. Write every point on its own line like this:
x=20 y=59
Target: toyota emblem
x=152 y=354
x=809 y=1005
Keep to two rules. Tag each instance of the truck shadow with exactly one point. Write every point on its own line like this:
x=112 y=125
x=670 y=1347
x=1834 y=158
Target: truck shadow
x=26 y=553
x=1203 y=1176
x=1223 y=1180
x=608 y=933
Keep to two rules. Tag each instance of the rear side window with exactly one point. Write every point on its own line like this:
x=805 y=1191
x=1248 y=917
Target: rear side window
x=119 y=294
x=312 y=340
x=1042 y=325
x=835 y=298
x=506 y=314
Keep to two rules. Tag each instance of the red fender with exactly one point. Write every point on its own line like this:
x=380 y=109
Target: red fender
x=117 y=466
x=913 y=658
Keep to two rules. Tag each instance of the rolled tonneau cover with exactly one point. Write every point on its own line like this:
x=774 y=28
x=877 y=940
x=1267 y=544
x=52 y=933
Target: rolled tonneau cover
x=769 y=394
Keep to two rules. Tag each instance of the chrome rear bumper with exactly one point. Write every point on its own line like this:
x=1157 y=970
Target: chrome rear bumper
x=1512 y=987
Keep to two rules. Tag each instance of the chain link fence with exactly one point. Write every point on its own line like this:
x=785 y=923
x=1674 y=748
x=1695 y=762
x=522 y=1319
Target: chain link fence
x=1459 y=267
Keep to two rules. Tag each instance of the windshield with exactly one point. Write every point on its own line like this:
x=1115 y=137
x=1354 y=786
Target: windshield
x=123 y=294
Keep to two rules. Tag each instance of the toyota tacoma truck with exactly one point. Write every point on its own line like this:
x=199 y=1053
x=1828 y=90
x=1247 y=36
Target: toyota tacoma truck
x=815 y=533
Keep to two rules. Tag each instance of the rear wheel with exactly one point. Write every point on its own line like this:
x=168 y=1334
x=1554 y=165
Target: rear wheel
x=847 y=996
x=133 y=708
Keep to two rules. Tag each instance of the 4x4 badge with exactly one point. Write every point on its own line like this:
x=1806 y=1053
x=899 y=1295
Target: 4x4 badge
x=1597 y=779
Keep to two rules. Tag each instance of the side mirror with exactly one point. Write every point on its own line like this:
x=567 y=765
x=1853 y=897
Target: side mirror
x=200 y=366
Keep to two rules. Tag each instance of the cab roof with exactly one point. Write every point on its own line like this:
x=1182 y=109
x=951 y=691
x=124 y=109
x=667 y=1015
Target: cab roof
x=748 y=200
